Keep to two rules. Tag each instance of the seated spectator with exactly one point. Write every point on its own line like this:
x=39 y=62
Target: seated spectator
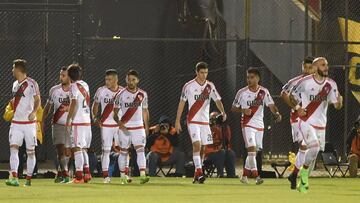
x=220 y=152
x=162 y=143
x=353 y=143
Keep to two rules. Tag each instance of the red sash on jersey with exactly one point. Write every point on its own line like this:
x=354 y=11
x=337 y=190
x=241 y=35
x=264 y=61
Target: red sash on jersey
x=198 y=103
x=313 y=105
x=59 y=112
x=84 y=93
x=131 y=111
x=259 y=98
x=19 y=93
x=107 y=111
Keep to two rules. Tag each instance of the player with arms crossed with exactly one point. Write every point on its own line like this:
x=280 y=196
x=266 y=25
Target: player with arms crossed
x=25 y=103
x=250 y=101
x=78 y=123
x=105 y=97
x=307 y=69
x=198 y=93
x=133 y=122
x=59 y=100
x=314 y=92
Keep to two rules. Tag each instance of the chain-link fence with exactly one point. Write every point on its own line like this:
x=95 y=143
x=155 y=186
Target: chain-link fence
x=272 y=35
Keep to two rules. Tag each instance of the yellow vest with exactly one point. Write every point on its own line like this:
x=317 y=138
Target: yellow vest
x=9 y=114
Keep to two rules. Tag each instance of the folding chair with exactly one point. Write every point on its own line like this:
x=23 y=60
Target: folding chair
x=331 y=162
x=161 y=169
x=209 y=168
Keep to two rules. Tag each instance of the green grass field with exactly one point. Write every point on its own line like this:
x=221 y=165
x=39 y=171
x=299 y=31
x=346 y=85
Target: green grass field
x=182 y=190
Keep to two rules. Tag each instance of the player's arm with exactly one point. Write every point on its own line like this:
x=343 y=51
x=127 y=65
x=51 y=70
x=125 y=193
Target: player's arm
x=275 y=111
x=287 y=99
x=94 y=112
x=71 y=113
x=339 y=104
x=220 y=107
x=146 y=118
x=47 y=109
x=178 y=116
x=117 y=119
x=37 y=103
x=235 y=109
x=295 y=98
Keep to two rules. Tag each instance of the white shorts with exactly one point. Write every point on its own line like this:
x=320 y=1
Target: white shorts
x=253 y=137
x=136 y=137
x=296 y=136
x=20 y=132
x=201 y=133
x=80 y=136
x=108 y=135
x=59 y=135
x=311 y=135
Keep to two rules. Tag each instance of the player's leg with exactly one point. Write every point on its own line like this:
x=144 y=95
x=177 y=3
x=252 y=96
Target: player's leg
x=138 y=139
x=31 y=142
x=124 y=144
x=194 y=131
x=250 y=162
x=259 y=146
x=300 y=156
x=59 y=139
x=77 y=144
x=107 y=135
x=88 y=136
x=309 y=136
x=15 y=139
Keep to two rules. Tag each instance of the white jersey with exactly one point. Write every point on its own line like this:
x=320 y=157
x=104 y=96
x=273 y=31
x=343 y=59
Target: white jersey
x=307 y=91
x=126 y=100
x=286 y=89
x=106 y=97
x=247 y=99
x=61 y=100
x=23 y=101
x=195 y=93
x=79 y=90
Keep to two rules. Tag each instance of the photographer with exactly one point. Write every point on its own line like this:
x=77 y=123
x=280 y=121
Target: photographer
x=220 y=152
x=353 y=145
x=162 y=143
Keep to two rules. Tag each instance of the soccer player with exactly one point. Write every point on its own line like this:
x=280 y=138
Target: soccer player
x=307 y=69
x=78 y=123
x=59 y=100
x=25 y=103
x=250 y=101
x=314 y=92
x=105 y=97
x=198 y=93
x=132 y=103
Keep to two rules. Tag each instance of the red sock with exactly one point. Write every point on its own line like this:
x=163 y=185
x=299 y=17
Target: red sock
x=79 y=175
x=296 y=171
x=28 y=177
x=105 y=174
x=87 y=170
x=246 y=172
x=14 y=174
x=198 y=172
x=126 y=171
x=65 y=174
x=254 y=173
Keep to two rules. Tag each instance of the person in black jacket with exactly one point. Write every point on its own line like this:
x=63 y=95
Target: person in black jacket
x=162 y=143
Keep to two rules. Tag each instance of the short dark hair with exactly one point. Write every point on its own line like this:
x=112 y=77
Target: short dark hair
x=63 y=68
x=308 y=59
x=20 y=64
x=201 y=65
x=254 y=71
x=133 y=72
x=74 y=71
x=111 y=72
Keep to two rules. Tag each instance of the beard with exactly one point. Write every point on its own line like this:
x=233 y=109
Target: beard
x=323 y=73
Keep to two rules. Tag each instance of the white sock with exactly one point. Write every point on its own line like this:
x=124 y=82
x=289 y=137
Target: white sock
x=252 y=161
x=141 y=160
x=30 y=162
x=79 y=160
x=14 y=160
x=300 y=158
x=105 y=159
x=197 y=160
x=311 y=155
x=122 y=161
x=86 y=158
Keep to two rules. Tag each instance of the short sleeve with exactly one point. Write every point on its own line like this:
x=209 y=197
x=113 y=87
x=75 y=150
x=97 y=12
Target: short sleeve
x=97 y=95
x=74 y=92
x=145 y=101
x=51 y=96
x=297 y=89
x=237 y=101
x=268 y=100
x=214 y=94
x=34 y=88
x=333 y=94
x=184 y=93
